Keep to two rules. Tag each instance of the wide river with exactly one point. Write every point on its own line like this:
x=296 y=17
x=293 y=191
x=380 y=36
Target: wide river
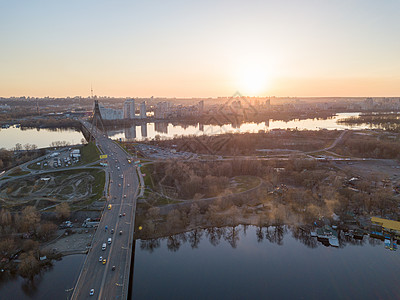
x=254 y=268
x=247 y=263
x=44 y=137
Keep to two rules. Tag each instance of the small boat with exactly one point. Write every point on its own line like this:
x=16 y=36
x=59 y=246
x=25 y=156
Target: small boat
x=333 y=241
x=387 y=243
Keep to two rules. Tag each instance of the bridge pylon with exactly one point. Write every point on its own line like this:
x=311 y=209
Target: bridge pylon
x=97 y=119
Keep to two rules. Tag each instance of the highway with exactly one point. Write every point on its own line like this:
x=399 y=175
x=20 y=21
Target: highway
x=106 y=282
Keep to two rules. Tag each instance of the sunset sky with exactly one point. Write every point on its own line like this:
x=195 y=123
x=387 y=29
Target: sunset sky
x=204 y=48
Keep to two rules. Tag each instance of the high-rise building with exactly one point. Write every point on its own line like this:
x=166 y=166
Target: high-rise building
x=143 y=110
x=110 y=113
x=129 y=109
x=161 y=110
x=201 y=107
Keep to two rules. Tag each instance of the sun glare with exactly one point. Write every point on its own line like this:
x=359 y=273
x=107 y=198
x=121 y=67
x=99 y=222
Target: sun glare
x=253 y=81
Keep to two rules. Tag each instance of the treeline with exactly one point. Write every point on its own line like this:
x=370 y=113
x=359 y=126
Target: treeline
x=249 y=143
x=238 y=117
x=369 y=146
x=386 y=121
x=21 y=234
x=10 y=159
x=50 y=123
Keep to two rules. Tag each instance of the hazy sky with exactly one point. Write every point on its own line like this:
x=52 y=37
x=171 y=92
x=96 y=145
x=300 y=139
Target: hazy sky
x=200 y=48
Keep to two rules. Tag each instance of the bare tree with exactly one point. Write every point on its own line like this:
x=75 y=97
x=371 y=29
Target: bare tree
x=30 y=219
x=29 y=266
x=63 y=210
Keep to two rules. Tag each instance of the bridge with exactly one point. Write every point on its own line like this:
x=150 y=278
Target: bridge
x=111 y=279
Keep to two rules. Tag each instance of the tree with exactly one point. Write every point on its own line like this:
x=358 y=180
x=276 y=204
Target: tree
x=7 y=246
x=63 y=211
x=174 y=219
x=46 y=230
x=29 y=266
x=30 y=219
x=194 y=213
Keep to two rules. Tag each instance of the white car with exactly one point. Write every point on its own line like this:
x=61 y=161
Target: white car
x=101 y=258
x=91 y=292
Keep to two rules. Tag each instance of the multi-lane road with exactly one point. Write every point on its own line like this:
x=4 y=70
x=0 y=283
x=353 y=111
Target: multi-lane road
x=106 y=281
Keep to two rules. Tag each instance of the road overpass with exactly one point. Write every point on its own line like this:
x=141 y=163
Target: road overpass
x=107 y=282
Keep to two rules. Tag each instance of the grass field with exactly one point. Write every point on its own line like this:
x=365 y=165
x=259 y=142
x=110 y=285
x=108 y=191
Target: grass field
x=89 y=153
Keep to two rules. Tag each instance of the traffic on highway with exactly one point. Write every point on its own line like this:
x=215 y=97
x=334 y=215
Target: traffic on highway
x=105 y=274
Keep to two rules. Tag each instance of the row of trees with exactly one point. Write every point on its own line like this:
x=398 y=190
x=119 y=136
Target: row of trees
x=10 y=159
x=369 y=146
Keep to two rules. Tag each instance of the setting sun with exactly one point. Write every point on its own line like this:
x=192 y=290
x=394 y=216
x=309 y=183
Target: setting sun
x=253 y=80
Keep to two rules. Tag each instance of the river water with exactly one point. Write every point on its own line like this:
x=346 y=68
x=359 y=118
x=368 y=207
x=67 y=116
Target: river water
x=168 y=130
x=55 y=283
x=244 y=263
x=44 y=137
x=280 y=268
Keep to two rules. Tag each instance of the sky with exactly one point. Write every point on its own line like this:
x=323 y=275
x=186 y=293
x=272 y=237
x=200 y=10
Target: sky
x=207 y=48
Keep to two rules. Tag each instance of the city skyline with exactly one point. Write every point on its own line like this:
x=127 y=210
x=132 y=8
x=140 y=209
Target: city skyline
x=202 y=49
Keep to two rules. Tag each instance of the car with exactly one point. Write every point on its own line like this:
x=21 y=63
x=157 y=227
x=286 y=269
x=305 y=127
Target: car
x=124 y=196
x=123 y=214
x=120 y=215
x=109 y=206
x=129 y=184
x=104 y=261
x=109 y=241
x=120 y=233
x=111 y=181
x=91 y=292
x=100 y=258
x=119 y=184
x=112 y=231
x=113 y=268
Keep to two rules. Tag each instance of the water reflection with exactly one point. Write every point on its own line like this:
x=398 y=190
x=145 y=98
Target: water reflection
x=55 y=282
x=169 y=130
x=272 y=234
x=257 y=262
x=232 y=234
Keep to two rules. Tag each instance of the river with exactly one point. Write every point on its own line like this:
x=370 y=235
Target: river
x=168 y=130
x=44 y=137
x=279 y=268
x=56 y=283
x=244 y=263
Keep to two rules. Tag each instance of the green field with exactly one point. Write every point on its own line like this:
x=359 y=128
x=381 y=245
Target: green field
x=89 y=153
